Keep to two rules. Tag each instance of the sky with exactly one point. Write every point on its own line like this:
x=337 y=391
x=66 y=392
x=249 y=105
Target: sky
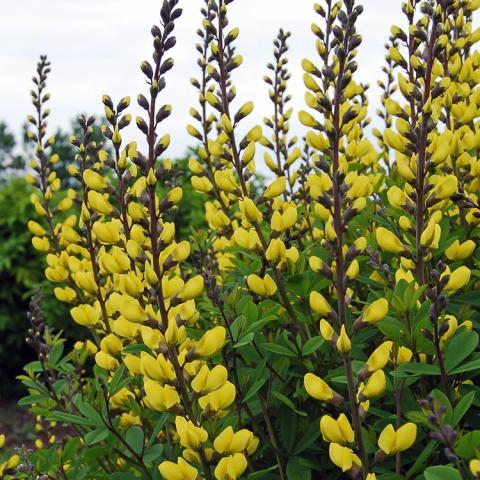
x=96 y=46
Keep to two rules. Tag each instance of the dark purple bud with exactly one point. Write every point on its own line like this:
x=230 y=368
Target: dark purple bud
x=433 y=419
x=437 y=436
x=451 y=457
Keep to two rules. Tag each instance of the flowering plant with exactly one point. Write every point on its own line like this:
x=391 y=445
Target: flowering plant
x=322 y=326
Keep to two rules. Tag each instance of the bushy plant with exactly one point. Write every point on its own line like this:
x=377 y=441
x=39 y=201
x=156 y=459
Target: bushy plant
x=323 y=327
x=21 y=272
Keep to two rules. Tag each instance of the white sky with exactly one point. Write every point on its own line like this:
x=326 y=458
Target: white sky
x=96 y=47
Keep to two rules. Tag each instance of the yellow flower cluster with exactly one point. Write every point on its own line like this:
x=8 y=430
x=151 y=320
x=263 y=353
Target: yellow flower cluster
x=12 y=461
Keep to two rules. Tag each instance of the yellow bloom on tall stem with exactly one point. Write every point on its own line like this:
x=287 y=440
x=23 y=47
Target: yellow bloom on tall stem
x=392 y=441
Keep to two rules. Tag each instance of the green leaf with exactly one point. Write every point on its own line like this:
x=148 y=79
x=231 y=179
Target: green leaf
x=55 y=354
x=469 y=298
x=30 y=399
x=284 y=399
x=250 y=310
x=288 y=429
x=460 y=347
x=468 y=444
x=391 y=328
x=154 y=452
x=297 y=471
x=124 y=476
x=462 y=408
x=310 y=437
x=262 y=473
x=95 y=436
x=135 y=438
x=412 y=369
x=288 y=403
x=467 y=367
x=88 y=411
x=246 y=339
x=312 y=345
x=442 y=472
x=116 y=379
x=254 y=389
x=69 y=418
x=278 y=349
x=156 y=430
x=421 y=459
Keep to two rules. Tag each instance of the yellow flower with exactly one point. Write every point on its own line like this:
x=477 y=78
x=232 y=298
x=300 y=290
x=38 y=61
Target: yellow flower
x=111 y=344
x=156 y=368
x=391 y=441
x=229 y=441
x=86 y=315
x=376 y=311
x=10 y=464
x=337 y=431
x=474 y=466
x=317 y=388
x=41 y=244
x=128 y=307
x=404 y=355
x=36 y=229
x=99 y=203
x=201 y=184
x=353 y=270
x=458 y=279
x=283 y=221
x=445 y=187
x=65 y=294
x=132 y=363
x=107 y=232
x=319 y=304
x=174 y=334
x=178 y=471
x=231 y=467
x=428 y=234
x=225 y=180
x=211 y=342
x=306 y=119
x=457 y=251
x=375 y=386
x=379 y=357
x=265 y=287
x=208 y=380
x=94 y=181
x=344 y=345
x=388 y=241
x=276 y=250
x=106 y=361
x=343 y=457
x=326 y=330
x=160 y=398
x=190 y=435
x=175 y=194
x=250 y=211
x=276 y=188
x=218 y=399
x=247 y=239
x=192 y=289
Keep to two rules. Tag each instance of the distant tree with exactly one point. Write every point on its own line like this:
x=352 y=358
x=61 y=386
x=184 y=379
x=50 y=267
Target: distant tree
x=10 y=161
x=14 y=155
